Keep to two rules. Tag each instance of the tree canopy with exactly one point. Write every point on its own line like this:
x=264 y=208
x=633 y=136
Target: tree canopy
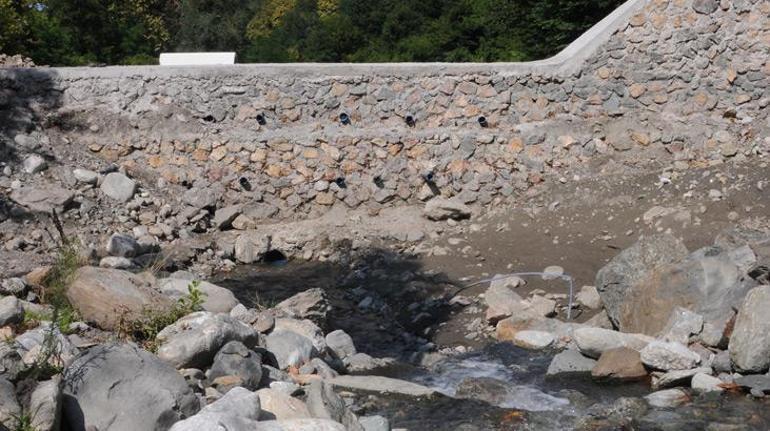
x=80 y=32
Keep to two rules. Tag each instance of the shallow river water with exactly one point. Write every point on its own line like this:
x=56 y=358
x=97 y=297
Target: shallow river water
x=497 y=387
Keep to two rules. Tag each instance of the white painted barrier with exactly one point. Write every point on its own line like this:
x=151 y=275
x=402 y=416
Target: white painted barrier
x=196 y=58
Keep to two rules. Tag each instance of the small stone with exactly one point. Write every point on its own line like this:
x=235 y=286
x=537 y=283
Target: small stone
x=34 y=164
x=570 y=362
x=11 y=311
x=118 y=187
x=669 y=356
x=667 y=398
x=552 y=272
x=123 y=246
x=533 y=340
x=705 y=7
x=589 y=297
x=621 y=364
x=85 y=176
x=702 y=382
x=442 y=209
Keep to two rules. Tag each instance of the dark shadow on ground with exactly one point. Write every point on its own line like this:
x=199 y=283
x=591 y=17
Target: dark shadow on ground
x=377 y=295
x=27 y=98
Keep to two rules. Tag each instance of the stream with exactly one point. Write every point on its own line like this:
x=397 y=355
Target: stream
x=493 y=387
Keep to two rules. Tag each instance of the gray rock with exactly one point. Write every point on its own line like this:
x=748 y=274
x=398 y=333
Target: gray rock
x=705 y=7
x=85 y=176
x=105 y=296
x=668 y=356
x=237 y=410
x=324 y=403
x=755 y=382
x=306 y=328
x=589 y=297
x=667 y=398
x=592 y=342
x=570 y=362
x=721 y=362
x=115 y=262
x=616 y=279
x=201 y=197
x=703 y=382
x=311 y=304
x=290 y=348
x=681 y=325
x=117 y=387
x=278 y=405
x=676 y=377
x=708 y=282
x=193 y=340
x=13 y=286
x=374 y=423
x=123 y=246
x=10 y=410
x=11 y=311
x=750 y=342
x=118 y=187
x=46 y=403
x=301 y=425
x=223 y=217
x=382 y=385
x=533 y=340
x=235 y=359
x=216 y=299
x=442 y=209
x=10 y=362
x=502 y=302
x=552 y=272
x=341 y=344
x=251 y=247
x=34 y=164
x=43 y=199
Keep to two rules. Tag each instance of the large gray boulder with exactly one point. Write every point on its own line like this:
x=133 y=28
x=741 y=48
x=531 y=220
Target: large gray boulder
x=569 y=362
x=118 y=187
x=11 y=311
x=237 y=360
x=105 y=296
x=312 y=304
x=441 y=209
x=193 y=340
x=711 y=282
x=615 y=280
x=277 y=405
x=301 y=425
x=115 y=387
x=43 y=199
x=45 y=402
x=237 y=410
x=750 y=342
x=324 y=403
x=669 y=356
x=290 y=348
x=10 y=409
x=216 y=299
x=592 y=342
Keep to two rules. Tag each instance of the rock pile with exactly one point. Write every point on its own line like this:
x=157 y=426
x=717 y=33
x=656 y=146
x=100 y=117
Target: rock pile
x=675 y=315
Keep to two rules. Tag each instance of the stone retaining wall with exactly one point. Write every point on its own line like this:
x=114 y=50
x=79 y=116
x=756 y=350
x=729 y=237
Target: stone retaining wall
x=677 y=83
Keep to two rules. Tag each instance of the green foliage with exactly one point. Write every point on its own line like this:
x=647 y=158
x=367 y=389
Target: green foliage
x=145 y=329
x=21 y=422
x=75 y=32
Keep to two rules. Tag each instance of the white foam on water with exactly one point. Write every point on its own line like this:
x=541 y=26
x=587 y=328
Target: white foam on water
x=447 y=375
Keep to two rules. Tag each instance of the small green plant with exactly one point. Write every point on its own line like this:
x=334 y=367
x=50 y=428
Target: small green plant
x=145 y=329
x=21 y=422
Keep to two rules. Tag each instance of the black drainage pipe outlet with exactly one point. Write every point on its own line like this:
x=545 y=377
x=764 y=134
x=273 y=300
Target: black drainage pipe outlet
x=341 y=183
x=483 y=121
x=378 y=182
x=245 y=184
x=261 y=119
x=410 y=121
x=344 y=119
x=428 y=176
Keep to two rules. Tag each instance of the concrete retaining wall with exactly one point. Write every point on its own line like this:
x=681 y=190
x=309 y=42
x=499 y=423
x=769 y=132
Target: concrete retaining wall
x=676 y=83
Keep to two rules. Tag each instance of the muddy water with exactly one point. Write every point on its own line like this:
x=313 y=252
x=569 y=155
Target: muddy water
x=497 y=387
